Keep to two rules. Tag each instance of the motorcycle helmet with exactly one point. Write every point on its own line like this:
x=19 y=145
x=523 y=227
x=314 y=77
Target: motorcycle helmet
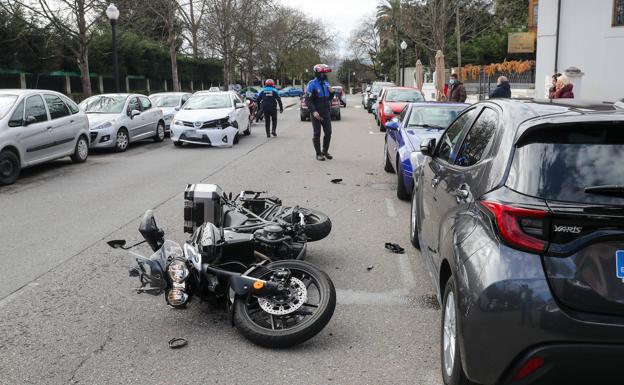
x=322 y=69
x=269 y=83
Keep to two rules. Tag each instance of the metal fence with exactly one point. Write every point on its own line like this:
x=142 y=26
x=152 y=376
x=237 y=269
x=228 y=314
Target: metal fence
x=485 y=83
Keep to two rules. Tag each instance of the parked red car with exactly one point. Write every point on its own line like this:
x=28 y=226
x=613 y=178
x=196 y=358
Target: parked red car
x=392 y=102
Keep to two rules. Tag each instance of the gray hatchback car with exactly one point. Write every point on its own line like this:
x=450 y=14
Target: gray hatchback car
x=519 y=216
x=38 y=126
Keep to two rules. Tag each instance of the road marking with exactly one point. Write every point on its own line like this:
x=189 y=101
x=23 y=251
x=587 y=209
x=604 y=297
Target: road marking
x=407 y=275
x=376 y=133
x=357 y=107
x=359 y=297
x=390 y=208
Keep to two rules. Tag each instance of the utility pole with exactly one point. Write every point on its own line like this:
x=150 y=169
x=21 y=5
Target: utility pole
x=459 y=63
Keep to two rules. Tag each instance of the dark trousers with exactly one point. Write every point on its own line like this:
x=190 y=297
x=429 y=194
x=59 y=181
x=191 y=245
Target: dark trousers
x=325 y=124
x=268 y=116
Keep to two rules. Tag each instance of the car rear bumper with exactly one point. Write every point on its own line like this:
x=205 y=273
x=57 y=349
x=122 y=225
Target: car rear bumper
x=571 y=363
x=508 y=310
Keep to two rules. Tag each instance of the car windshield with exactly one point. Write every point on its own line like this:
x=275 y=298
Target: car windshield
x=104 y=104
x=207 y=102
x=165 y=100
x=6 y=102
x=436 y=117
x=403 y=96
x=378 y=86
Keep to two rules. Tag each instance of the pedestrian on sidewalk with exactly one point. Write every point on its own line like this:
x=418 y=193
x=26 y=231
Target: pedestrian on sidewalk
x=268 y=98
x=502 y=90
x=457 y=92
x=553 y=87
x=318 y=99
x=564 y=88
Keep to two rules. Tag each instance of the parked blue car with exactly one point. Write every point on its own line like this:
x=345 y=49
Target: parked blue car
x=291 y=91
x=404 y=134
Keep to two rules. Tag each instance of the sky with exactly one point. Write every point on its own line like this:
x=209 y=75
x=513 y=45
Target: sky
x=340 y=15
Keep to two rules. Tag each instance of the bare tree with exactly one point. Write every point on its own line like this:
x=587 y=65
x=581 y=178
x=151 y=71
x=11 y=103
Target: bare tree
x=192 y=14
x=167 y=12
x=75 y=19
x=365 y=42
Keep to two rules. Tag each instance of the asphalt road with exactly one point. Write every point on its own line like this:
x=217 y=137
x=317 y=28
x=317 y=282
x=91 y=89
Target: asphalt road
x=68 y=315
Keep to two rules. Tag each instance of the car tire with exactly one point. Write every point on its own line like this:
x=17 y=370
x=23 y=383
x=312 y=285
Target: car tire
x=122 y=140
x=178 y=144
x=247 y=132
x=450 y=360
x=10 y=167
x=402 y=192
x=236 y=138
x=414 y=221
x=160 y=132
x=81 y=152
x=387 y=163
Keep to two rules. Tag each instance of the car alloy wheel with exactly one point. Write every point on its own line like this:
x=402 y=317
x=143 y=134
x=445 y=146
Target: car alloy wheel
x=121 y=141
x=450 y=334
x=160 y=132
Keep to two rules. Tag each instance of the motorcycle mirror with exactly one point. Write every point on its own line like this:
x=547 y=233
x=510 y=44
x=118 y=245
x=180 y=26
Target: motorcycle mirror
x=150 y=231
x=117 y=243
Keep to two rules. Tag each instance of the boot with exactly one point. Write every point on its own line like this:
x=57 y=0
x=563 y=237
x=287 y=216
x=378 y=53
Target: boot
x=317 y=148
x=326 y=140
x=273 y=133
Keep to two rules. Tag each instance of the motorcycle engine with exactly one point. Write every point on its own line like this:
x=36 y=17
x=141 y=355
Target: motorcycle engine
x=273 y=232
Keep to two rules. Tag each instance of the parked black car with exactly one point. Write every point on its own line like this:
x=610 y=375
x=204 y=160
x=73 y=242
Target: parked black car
x=519 y=215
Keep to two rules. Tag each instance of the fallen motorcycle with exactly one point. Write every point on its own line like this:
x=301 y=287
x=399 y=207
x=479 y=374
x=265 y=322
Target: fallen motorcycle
x=248 y=251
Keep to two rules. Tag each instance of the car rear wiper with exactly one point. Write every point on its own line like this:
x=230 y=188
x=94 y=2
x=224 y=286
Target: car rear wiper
x=611 y=189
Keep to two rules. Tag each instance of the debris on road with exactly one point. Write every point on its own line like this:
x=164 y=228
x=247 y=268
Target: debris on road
x=369 y=268
x=336 y=181
x=395 y=248
x=177 y=343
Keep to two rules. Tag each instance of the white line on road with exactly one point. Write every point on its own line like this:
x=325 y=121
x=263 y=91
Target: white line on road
x=407 y=275
x=359 y=297
x=390 y=208
x=357 y=106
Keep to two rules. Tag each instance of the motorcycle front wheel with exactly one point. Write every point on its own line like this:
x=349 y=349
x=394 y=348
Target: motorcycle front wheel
x=289 y=319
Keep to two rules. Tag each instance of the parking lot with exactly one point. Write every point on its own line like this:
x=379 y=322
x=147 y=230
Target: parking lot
x=69 y=315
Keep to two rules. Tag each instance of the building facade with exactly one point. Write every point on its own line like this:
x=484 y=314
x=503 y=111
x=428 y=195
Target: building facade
x=585 y=40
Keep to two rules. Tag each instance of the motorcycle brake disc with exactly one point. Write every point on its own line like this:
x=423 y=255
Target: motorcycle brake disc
x=298 y=296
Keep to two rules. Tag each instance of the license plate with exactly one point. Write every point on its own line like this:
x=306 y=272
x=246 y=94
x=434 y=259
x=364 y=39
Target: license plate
x=619 y=264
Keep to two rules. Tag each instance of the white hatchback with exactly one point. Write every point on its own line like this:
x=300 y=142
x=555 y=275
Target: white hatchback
x=211 y=118
x=116 y=120
x=169 y=103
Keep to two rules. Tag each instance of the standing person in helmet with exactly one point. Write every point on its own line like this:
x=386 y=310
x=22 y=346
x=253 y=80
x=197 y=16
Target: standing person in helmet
x=268 y=99
x=318 y=99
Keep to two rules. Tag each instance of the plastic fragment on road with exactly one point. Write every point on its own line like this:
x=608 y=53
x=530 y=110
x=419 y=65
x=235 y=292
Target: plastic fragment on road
x=336 y=181
x=395 y=248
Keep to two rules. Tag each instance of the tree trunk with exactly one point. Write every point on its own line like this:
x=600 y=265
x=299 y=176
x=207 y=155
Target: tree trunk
x=459 y=62
x=398 y=53
x=83 y=64
x=174 y=63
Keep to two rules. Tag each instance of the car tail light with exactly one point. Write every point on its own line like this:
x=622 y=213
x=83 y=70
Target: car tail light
x=529 y=367
x=521 y=228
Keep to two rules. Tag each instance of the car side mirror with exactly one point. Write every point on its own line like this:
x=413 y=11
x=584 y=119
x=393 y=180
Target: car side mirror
x=392 y=125
x=427 y=146
x=177 y=108
x=154 y=236
x=134 y=113
x=30 y=120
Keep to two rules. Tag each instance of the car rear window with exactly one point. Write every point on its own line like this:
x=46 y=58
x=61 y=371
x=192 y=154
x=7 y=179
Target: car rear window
x=559 y=163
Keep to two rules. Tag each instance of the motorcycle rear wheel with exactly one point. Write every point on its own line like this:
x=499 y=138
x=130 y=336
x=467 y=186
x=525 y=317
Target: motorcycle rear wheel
x=282 y=331
x=318 y=224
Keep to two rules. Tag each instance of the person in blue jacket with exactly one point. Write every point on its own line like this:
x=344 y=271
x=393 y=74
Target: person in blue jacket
x=318 y=99
x=268 y=99
x=502 y=90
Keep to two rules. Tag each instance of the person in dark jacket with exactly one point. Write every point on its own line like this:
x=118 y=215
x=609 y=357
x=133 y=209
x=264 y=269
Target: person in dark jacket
x=564 y=88
x=457 y=92
x=268 y=99
x=502 y=90
x=318 y=99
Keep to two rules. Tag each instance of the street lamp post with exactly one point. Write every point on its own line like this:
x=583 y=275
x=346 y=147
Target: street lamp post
x=113 y=14
x=403 y=48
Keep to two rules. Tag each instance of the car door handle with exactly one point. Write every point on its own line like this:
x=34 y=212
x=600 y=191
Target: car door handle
x=71 y=121
x=49 y=128
x=435 y=181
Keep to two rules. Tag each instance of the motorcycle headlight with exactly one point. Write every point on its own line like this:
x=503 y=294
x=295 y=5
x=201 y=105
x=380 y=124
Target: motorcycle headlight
x=178 y=271
x=388 y=110
x=102 y=126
